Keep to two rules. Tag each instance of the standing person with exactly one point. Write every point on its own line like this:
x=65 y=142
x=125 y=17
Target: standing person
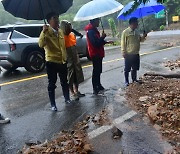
x=95 y=44
x=52 y=40
x=75 y=73
x=130 y=46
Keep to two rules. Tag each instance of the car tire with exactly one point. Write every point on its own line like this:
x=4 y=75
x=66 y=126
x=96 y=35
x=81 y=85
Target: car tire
x=35 y=62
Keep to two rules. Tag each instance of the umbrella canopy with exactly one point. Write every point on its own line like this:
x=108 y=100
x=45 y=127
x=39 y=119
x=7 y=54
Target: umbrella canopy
x=97 y=9
x=149 y=8
x=36 y=9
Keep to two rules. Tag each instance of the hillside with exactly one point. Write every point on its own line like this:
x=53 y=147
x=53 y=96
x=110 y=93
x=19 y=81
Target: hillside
x=173 y=7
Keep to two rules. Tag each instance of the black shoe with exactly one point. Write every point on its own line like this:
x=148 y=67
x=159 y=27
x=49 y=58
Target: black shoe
x=137 y=81
x=80 y=94
x=95 y=92
x=101 y=87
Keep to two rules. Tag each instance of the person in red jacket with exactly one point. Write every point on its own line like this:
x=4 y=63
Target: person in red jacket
x=95 y=44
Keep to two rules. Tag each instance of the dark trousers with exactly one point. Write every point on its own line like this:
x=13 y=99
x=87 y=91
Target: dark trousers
x=132 y=63
x=54 y=69
x=97 y=70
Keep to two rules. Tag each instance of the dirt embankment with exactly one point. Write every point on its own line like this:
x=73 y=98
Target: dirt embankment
x=159 y=98
x=174 y=26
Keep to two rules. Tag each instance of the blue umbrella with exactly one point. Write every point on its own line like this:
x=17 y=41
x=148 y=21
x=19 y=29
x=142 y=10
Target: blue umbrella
x=146 y=9
x=96 y=9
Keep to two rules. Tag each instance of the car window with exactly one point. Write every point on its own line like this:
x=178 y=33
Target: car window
x=30 y=31
x=17 y=34
x=4 y=36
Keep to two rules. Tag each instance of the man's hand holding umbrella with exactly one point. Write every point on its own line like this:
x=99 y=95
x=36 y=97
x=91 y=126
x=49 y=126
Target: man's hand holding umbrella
x=45 y=28
x=144 y=36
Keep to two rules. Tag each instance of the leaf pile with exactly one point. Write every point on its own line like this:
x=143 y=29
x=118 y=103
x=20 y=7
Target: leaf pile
x=159 y=98
x=68 y=142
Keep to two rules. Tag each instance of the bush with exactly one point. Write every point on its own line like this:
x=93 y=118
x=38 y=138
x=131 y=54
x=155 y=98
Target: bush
x=112 y=25
x=162 y=27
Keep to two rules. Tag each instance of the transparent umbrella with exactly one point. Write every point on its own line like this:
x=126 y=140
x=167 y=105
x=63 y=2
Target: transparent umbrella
x=96 y=9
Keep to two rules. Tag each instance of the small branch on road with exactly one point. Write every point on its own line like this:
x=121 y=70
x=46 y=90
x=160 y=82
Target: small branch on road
x=174 y=75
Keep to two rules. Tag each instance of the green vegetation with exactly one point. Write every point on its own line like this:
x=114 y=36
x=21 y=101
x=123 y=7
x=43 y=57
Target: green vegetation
x=112 y=26
x=173 y=7
x=162 y=27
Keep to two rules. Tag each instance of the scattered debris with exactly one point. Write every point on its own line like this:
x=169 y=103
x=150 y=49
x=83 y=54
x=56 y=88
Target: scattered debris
x=159 y=98
x=66 y=142
x=153 y=112
x=143 y=98
x=32 y=143
x=72 y=141
x=116 y=133
x=172 y=65
x=162 y=75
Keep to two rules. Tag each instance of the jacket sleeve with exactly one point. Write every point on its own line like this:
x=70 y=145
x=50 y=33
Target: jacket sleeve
x=97 y=42
x=123 y=43
x=42 y=40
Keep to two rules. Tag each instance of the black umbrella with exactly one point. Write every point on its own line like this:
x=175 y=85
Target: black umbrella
x=36 y=9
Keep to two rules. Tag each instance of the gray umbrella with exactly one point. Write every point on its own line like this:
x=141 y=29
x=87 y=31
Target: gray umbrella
x=36 y=9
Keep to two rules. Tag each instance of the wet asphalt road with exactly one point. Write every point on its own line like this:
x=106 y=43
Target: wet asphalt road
x=27 y=105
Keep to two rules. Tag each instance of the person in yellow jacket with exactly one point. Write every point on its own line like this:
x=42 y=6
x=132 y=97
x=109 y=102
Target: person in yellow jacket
x=75 y=73
x=52 y=40
x=130 y=46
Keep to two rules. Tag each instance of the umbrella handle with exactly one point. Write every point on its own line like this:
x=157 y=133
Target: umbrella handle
x=40 y=4
x=102 y=25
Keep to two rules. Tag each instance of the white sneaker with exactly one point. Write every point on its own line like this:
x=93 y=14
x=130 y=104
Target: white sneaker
x=4 y=120
x=54 y=108
x=68 y=101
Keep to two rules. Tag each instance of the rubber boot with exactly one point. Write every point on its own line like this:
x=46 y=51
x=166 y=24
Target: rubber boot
x=52 y=98
x=65 y=90
x=134 y=75
x=126 y=75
